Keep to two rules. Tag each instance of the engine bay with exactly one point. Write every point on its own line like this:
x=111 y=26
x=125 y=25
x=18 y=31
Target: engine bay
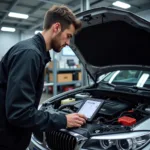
x=117 y=114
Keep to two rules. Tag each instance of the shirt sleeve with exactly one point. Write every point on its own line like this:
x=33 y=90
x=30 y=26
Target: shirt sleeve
x=23 y=72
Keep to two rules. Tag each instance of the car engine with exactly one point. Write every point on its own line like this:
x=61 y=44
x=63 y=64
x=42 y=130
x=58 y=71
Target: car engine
x=115 y=115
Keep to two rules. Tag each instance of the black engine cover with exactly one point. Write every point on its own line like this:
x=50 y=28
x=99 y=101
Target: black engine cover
x=111 y=108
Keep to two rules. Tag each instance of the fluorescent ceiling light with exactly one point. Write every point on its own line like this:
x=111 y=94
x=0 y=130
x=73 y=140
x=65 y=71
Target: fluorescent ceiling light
x=121 y=4
x=37 y=31
x=8 y=29
x=18 y=15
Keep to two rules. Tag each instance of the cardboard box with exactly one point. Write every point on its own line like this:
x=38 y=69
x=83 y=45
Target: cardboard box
x=61 y=77
x=51 y=64
x=79 y=76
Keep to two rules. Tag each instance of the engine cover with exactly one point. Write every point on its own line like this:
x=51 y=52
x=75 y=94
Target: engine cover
x=111 y=108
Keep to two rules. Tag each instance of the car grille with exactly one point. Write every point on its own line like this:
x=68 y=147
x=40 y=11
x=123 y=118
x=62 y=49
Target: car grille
x=57 y=140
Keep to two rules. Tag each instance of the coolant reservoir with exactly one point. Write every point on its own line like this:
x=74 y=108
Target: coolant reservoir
x=68 y=100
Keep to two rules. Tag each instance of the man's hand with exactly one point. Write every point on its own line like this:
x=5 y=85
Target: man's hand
x=75 y=120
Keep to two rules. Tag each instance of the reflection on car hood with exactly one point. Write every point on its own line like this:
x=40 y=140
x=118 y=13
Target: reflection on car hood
x=111 y=39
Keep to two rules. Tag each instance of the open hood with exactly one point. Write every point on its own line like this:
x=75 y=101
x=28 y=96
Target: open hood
x=112 y=39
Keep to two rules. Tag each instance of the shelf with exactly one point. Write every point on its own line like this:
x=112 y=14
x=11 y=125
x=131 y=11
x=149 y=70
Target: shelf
x=55 y=71
x=68 y=83
x=63 y=83
x=65 y=69
x=48 y=84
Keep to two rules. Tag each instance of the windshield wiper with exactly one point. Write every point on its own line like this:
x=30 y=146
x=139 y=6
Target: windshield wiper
x=133 y=88
x=108 y=84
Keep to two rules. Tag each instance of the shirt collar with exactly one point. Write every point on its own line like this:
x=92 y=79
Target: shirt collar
x=42 y=47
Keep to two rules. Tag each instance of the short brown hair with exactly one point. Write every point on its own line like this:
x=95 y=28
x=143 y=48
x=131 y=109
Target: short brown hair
x=63 y=15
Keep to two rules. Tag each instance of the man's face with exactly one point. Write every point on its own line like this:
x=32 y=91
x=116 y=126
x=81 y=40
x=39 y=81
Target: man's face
x=62 y=39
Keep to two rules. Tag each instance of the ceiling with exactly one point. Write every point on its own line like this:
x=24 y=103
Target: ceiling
x=37 y=8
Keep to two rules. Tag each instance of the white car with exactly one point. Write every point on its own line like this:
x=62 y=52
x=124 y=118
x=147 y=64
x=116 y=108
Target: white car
x=113 y=47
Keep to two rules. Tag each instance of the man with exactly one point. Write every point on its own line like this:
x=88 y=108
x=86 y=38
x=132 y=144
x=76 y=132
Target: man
x=21 y=82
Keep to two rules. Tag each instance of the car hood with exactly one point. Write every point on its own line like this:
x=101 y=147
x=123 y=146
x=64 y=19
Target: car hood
x=111 y=39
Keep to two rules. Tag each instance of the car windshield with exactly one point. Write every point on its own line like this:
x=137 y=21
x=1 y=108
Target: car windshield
x=136 y=78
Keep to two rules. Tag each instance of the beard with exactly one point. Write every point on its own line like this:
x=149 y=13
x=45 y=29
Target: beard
x=55 y=44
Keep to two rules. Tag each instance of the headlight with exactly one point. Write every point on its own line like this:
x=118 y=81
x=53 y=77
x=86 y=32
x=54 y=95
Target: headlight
x=127 y=144
x=105 y=144
x=124 y=141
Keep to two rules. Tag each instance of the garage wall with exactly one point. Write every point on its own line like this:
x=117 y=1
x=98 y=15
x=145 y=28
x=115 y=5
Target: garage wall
x=25 y=36
x=7 y=40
